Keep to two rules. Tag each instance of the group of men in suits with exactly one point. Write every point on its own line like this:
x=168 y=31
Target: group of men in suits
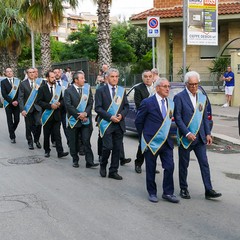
x=41 y=103
x=153 y=122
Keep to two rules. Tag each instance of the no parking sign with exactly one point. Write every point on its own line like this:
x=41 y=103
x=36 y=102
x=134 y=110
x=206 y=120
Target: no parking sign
x=153 y=26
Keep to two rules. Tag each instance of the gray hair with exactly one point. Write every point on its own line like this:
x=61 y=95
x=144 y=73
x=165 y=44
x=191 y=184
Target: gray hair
x=159 y=81
x=110 y=70
x=154 y=70
x=190 y=74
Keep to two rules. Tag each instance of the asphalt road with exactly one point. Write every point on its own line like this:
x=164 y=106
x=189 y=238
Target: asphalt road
x=51 y=200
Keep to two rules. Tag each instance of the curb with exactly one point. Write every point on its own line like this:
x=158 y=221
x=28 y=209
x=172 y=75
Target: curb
x=225 y=139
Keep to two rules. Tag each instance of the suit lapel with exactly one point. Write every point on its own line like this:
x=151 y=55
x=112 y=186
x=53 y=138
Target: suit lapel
x=146 y=92
x=155 y=102
x=188 y=100
x=108 y=93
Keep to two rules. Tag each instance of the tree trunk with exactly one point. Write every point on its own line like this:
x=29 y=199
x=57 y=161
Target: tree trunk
x=45 y=53
x=104 y=40
x=4 y=63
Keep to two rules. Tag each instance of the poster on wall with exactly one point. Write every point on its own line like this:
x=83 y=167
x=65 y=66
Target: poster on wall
x=202 y=28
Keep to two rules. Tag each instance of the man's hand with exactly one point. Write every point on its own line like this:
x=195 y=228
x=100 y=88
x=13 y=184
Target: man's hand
x=115 y=119
x=24 y=113
x=15 y=103
x=191 y=137
x=82 y=115
x=54 y=106
x=209 y=139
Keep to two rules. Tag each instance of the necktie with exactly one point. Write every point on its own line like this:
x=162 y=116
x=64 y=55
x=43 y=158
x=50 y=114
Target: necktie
x=10 y=81
x=113 y=92
x=164 y=112
x=31 y=84
x=58 y=83
x=80 y=92
x=51 y=90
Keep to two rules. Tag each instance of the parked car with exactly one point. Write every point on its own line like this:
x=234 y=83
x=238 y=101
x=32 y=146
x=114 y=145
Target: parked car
x=176 y=87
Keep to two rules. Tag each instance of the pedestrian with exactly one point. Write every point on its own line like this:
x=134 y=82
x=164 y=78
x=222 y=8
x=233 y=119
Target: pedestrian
x=78 y=101
x=142 y=91
x=9 y=89
x=153 y=122
x=112 y=106
x=191 y=118
x=51 y=100
x=228 y=77
x=30 y=110
x=155 y=74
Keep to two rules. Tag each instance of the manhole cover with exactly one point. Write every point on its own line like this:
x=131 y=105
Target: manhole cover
x=233 y=175
x=26 y=160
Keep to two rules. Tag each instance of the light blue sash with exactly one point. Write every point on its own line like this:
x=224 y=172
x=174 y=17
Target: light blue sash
x=195 y=122
x=13 y=92
x=161 y=135
x=32 y=95
x=48 y=112
x=113 y=109
x=81 y=106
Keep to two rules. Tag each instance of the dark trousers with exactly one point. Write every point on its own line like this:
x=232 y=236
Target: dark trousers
x=52 y=126
x=99 y=143
x=85 y=132
x=166 y=156
x=13 y=118
x=199 y=149
x=33 y=126
x=139 y=156
x=112 y=142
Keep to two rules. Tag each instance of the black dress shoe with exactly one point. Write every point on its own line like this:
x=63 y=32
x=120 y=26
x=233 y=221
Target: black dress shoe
x=62 y=154
x=124 y=161
x=184 y=194
x=47 y=154
x=103 y=171
x=170 y=198
x=76 y=165
x=212 y=194
x=115 y=175
x=91 y=165
x=138 y=169
x=30 y=146
x=38 y=144
x=13 y=140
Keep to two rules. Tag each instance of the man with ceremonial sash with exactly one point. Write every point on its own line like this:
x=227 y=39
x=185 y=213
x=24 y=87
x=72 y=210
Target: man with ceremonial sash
x=78 y=101
x=112 y=106
x=29 y=109
x=193 y=133
x=64 y=85
x=9 y=89
x=153 y=122
x=50 y=99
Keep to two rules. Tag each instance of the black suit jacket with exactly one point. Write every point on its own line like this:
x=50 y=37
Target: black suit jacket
x=140 y=93
x=71 y=101
x=6 y=88
x=102 y=102
x=43 y=99
x=24 y=92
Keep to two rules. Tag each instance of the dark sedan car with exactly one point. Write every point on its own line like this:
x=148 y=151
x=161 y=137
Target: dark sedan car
x=176 y=87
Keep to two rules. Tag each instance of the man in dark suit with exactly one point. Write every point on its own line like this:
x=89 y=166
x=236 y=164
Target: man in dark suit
x=9 y=89
x=153 y=123
x=194 y=134
x=29 y=109
x=78 y=101
x=142 y=91
x=50 y=99
x=112 y=106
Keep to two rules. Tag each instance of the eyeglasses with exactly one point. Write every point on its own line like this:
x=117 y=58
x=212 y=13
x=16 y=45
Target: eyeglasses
x=193 y=84
x=165 y=86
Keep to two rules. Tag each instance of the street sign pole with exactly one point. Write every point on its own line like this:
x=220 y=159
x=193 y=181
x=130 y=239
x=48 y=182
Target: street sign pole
x=153 y=52
x=184 y=37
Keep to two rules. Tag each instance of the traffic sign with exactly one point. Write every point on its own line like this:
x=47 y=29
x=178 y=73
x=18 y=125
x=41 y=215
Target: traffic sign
x=153 y=26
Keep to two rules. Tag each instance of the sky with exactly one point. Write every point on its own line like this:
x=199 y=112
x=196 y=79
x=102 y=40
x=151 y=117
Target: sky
x=119 y=7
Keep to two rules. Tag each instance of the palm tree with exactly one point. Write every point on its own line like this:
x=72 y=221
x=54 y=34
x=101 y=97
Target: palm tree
x=43 y=16
x=104 y=40
x=13 y=33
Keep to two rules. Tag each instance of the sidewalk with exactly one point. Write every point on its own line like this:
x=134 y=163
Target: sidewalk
x=231 y=116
